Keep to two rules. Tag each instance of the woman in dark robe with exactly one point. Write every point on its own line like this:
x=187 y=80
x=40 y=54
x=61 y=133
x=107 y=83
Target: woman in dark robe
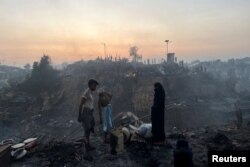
x=157 y=114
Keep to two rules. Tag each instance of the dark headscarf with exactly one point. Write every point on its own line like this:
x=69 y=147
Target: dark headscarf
x=159 y=97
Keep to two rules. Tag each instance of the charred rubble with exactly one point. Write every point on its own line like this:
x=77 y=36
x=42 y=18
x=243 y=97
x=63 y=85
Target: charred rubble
x=207 y=103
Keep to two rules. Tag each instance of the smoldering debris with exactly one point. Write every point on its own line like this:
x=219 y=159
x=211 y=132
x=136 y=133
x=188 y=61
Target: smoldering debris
x=200 y=104
x=56 y=153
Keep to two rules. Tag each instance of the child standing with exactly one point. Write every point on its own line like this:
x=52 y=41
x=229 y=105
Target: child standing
x=105 y=113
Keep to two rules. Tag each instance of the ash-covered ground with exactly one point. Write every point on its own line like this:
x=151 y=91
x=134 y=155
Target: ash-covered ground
x=202 y=100
x=67 y=152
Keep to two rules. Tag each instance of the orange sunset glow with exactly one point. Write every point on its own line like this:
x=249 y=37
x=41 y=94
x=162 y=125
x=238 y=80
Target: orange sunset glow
x=72 y=30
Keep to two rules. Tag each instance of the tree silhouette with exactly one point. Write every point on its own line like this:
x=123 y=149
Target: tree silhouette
x=43 y=76
x=27 y=67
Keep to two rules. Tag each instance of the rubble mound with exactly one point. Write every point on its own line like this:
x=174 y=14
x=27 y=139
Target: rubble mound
x=220 y=138
x=220 y=142
x=149 y=155
x=60 y=154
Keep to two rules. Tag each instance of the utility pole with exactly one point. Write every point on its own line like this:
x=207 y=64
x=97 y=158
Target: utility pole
x=167 y=41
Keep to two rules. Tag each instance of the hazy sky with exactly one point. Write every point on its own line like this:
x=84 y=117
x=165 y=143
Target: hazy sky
x=70 y=30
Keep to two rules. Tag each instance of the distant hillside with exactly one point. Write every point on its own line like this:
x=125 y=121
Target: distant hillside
x=194 y=97
x=11 y=76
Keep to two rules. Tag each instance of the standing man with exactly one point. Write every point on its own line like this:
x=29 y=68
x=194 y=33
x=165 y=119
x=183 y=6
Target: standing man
x=86 y=110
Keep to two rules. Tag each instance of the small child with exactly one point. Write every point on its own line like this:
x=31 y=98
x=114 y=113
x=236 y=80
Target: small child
x=105 y=113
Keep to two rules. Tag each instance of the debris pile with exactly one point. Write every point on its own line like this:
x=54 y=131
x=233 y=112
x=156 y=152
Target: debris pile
x=136 y=153
x=132 y=127
x=58 y=153
x=148 y=155
x=220 y=142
